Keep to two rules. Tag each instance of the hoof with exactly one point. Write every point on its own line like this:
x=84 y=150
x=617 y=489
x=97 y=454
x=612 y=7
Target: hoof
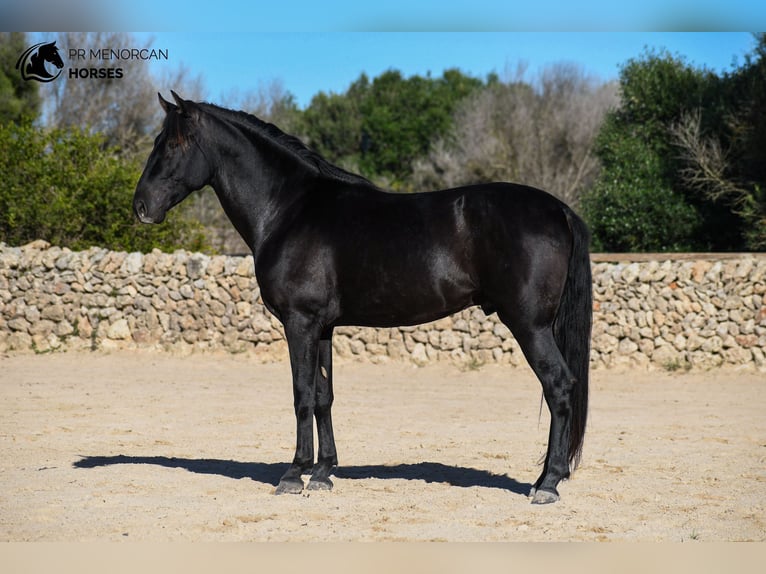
x=320 y=484
x=543 y=497
x=289 y=486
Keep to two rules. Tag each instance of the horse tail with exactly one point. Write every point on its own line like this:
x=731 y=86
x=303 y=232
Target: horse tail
x=572 y=330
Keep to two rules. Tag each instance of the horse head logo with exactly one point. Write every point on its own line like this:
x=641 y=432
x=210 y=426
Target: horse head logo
x=32 y=62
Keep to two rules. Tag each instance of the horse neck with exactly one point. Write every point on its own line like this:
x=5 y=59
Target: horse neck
x=258 y=184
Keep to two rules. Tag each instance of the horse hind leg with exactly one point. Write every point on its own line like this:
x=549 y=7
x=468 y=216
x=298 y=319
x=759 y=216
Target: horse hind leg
x=543 y=355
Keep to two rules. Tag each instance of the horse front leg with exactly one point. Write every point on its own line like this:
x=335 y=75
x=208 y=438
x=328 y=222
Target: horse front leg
x=328 y=458
x=303 y=344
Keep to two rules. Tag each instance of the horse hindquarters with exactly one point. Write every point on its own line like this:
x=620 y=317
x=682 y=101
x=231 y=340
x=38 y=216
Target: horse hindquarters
x=547 y=307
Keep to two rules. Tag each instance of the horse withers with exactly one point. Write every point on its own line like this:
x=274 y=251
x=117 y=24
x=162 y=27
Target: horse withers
x=330 y=248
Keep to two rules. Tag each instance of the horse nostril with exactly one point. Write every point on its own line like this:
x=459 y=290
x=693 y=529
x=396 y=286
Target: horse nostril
x=140 y=209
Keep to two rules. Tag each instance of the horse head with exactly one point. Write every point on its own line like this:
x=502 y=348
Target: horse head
x=176 y=165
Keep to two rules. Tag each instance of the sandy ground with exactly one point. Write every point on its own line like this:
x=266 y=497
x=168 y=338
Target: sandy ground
x=141 y=446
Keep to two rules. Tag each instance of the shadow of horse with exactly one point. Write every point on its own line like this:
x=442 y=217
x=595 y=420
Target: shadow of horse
x=270 y=473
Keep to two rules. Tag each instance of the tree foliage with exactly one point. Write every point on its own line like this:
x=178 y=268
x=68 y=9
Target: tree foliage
x=333 y=124
x=65 y=186
x=681 y=167
x=539 y=133
x=381 y=127
x=402 y=116
x=71 y=182
x=724 y=164
x=123 y=111
x=631 y=207
x=19 y=100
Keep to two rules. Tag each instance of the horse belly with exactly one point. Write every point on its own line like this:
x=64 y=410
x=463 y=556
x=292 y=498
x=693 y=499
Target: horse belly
x=404 y=260
x=405 y=290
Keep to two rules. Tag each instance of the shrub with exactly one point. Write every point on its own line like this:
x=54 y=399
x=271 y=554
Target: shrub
x=65 y=187
x=631 y=207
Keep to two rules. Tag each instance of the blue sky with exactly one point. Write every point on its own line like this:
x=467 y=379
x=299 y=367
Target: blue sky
x=309 y=62
x=323 y=45
x=434 y=15
x=389 y=15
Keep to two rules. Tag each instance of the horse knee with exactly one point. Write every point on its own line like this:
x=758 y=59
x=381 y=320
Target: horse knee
x=323 y=409
x=304 y=410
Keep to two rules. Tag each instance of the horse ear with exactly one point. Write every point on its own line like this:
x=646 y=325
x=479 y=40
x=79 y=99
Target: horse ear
x=187 y=108
x=166 y=105
x=183 y=106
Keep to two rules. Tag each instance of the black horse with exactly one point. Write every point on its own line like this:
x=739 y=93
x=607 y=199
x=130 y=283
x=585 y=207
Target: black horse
x=331 y=249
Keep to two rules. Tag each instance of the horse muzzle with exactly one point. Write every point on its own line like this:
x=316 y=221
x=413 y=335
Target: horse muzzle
x=143 y=214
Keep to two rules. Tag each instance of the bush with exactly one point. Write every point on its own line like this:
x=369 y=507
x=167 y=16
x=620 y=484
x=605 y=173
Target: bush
x=640 y=201
x=64 y=187
x=631 y=207
x=630 y=216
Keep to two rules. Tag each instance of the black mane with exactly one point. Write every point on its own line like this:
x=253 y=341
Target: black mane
x=287 y=142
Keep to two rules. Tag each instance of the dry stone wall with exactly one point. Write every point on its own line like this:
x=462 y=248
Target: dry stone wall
x=668 y=313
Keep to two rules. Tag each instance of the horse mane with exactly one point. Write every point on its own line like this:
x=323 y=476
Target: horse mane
x=288 y=143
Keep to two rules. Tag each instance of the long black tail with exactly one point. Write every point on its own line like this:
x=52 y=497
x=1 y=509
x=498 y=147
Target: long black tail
x=572 y=330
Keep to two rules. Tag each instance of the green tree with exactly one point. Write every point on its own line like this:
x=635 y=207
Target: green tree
x=631 y=207
x=380 y=127
x=332 y=124
x=402 y=116
x=18 y=99
x=63 y=186
x=725 y=164
x=642 y=200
